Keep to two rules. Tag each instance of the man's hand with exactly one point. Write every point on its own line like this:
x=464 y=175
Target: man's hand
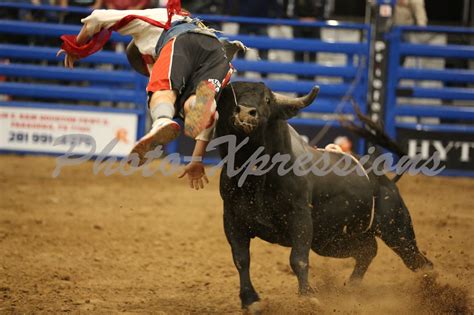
x=196 y=175
x=69 y=59
x=195 y=169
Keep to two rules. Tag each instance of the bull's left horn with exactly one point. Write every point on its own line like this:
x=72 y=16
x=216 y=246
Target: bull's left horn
x=135 y=59
x=298 y=102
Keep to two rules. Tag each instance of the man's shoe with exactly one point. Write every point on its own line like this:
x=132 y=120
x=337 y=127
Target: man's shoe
x=163 y=131
x=200 y=116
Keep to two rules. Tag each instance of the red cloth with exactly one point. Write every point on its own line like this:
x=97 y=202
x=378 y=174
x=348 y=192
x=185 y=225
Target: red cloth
x=173 y=7
x=98 y=40
x=93 y=46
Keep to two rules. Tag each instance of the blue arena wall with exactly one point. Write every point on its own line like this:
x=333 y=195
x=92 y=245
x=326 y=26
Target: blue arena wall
x=451 y=125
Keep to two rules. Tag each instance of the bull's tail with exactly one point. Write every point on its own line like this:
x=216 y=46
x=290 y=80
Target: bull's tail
x=374 y=133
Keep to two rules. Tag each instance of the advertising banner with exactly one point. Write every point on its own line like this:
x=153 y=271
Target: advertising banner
x=47 y=130
x=456 y=150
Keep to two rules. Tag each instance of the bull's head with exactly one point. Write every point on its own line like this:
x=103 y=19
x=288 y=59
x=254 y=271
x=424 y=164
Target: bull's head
x=256 y=104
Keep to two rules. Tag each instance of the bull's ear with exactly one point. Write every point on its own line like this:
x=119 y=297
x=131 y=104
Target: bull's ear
x=287 y=107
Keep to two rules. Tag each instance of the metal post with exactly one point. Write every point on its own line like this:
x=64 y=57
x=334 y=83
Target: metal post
x=381 y=13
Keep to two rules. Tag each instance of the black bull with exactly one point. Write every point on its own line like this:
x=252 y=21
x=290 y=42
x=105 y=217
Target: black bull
x=332 y=215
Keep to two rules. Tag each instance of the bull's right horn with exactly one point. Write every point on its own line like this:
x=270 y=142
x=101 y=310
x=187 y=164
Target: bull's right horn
x=297 y=102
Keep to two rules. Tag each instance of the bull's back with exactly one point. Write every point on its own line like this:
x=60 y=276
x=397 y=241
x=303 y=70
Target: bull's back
x=343 y=205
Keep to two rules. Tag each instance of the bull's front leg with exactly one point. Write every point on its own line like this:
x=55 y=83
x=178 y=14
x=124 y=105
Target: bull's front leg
x=301 y=233
x=240 y=244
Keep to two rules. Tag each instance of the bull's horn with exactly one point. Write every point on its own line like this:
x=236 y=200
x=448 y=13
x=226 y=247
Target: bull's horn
x=297 y=102
x=135 y=59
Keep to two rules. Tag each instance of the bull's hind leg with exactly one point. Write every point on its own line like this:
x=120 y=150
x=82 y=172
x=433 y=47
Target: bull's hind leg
x=240 y=244
x=363 y=257
x=396 y=229
x=409 y=253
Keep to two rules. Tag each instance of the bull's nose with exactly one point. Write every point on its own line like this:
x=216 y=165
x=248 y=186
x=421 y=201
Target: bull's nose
x=253 y=112
x=246 y=110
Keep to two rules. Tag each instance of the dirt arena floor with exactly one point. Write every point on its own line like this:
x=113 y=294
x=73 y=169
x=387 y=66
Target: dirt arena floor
x=92 y=243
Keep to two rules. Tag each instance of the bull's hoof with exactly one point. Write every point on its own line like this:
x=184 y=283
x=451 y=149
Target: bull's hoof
x=354 y=282
x=256 y=308
x=309 y=294
x=428 y=274
x=427 y=266
x=307 y=291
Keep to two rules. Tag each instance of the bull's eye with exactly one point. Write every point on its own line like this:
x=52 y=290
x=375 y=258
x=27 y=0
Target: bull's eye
x=267 y=100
